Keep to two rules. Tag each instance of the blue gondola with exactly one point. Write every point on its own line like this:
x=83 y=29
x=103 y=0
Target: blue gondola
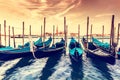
x=105 y=46
x=37 y=53
x=97 y=53
x=28 y=44
x=37 y=43
x=75 y=50
x=6 y=48
x=19 y=46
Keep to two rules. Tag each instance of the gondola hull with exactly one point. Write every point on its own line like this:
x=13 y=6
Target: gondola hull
x=75 y=50
x=97 y=53
x=109 y=59
x=75 y=58
x=40 y=53
x=37 y=43
x=37 y=53
x=49 y=52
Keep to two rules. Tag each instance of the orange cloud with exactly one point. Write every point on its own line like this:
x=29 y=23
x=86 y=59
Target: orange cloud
x=50 y=7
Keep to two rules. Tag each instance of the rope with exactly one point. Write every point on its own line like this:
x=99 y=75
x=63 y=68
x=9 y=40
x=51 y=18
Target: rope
x=34 y=54
x=32 y=46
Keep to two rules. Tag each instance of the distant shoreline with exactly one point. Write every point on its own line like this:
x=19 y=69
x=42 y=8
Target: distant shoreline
x=67 y=37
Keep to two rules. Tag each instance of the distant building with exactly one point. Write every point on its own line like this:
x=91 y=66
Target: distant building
x=48 y=34
x=74 y=34
x=60 y=33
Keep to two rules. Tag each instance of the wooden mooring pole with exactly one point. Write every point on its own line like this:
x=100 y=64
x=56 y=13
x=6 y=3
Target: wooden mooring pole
x=53 y=34
x=44 y=28
x=13 y=37
x=41 y=31
x=23 y=35
x=103 y=33
x=112 y=32
x=5 y=31
x=9 y=35
x=78 y=32
x=66 y=34
x=30 y=30
x=87 y=28
x=65 y=31
x=113 y=44
x=0 y=36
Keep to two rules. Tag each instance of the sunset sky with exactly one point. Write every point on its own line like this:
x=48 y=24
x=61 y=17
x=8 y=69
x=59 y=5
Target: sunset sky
x=32 y=13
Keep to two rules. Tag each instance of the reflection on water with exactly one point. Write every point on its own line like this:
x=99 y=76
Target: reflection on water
x=77 y=70
x=48 y=69
x=102 y=68
x=1 y=63
x=23 y=62
x=61 y=68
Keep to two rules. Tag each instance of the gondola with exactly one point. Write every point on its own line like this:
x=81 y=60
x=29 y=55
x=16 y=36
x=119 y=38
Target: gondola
x=37 y=43
x=35 y=53
x=6 y=48
x=75 y=50
x=104 y=46
x=3 y=48
x=97 y=53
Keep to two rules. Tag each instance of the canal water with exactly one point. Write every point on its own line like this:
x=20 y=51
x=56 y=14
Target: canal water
x=59 y=68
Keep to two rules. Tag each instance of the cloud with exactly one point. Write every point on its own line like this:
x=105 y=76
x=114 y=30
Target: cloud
x=38 y=8
x=12 y=7
x=50 y=7
x=75 y=4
